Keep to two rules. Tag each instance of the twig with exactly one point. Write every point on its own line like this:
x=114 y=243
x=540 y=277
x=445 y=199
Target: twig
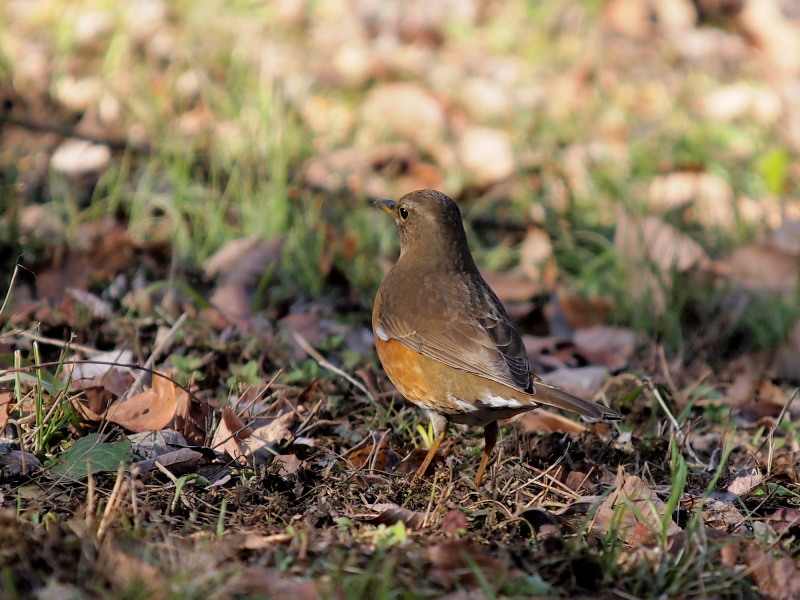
x=154 y=355
x=59 y=343
x=774 y=428
x=112 y=503
x=301 y=341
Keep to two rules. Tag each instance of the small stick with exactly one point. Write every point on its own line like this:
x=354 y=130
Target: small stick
x=325 y=364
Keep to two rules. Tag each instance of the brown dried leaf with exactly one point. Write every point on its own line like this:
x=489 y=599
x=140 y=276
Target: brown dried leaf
x=720 y=515
x=124 y=570
x=239 y=266
x=225 y=439
x=745 y=483
x=605 y=345
x=183 y=460
x=372 y=451
x=511 y=286
x=759 y=267
x=261 y=582
x=451 y=560
x=239 y=428
x=707 y=198
x=786 y=466
x=784 y=519
x=259 y=440
x=306 y=325
x=152 y=409
x=390 y=513
x=634 y=527
x=581 y=312
x=288 y=463
x=5 y=408
x=454 y=521
x=654 y=249
x=775 y=579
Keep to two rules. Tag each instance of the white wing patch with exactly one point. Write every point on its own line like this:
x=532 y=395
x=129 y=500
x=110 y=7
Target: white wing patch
x=381 y=333
x=501 y=402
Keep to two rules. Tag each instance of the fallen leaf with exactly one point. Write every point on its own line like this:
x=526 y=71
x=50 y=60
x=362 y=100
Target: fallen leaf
x=5 y=408
x=16 y=462
x=776 y=579
x=261 y=582
x=149 y=444
x=511 y=286
x=287 y=464
x=259 y=440
x=580 y=312
x=124 y=570
x=91 y=450
x=605 y=345
x=183 y=460
x=630 y=18
x=150 y=410
x=743 y=484
x=784 y=519
x=629 y=510
x=583 y=381
x=759 y=267
x=705 y=198
x=390 y=513
x=454 y=522
x=536 y=260
x=239 y=266
x=653 y=251
x=403 y=109
x=372 y=452
x=453 y=562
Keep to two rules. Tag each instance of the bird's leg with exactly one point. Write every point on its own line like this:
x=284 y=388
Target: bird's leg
x=490 y=439
x=440 y=431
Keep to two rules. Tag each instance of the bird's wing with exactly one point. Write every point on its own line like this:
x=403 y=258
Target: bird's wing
x=474 y=334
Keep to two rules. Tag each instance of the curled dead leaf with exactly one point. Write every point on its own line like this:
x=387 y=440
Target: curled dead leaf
x=633 y=510
x=152 y=409
x=390 y=513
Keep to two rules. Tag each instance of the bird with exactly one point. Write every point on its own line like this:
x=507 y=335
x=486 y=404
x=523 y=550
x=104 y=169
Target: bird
x=445 y=339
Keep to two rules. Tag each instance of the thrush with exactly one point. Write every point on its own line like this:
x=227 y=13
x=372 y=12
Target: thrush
x=444 y=338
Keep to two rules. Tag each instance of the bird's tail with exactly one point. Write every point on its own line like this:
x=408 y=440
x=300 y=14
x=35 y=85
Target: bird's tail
x=551 y=395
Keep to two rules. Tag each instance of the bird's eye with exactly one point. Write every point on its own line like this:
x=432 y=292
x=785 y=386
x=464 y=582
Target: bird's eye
x=403 y=213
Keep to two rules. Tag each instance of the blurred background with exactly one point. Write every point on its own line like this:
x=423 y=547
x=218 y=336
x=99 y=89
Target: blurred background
x=625 y=162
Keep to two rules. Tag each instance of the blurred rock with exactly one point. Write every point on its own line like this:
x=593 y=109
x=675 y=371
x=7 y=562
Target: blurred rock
x=675 y=14
x=486 y=155
x=484 y=99
x=78 y=94
x=772 y=33
x=31 y=73
x=405 y=110
x=330 y=120
x=145 y=18
x=290 y=12
x=187 y=86
x=706 y=198
x=353 y=63
x=742 y=100
x=79 y=157
x=631 y=18
x=93 y=28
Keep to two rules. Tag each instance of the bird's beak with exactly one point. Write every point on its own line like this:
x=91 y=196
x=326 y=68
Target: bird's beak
x=386 y=205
